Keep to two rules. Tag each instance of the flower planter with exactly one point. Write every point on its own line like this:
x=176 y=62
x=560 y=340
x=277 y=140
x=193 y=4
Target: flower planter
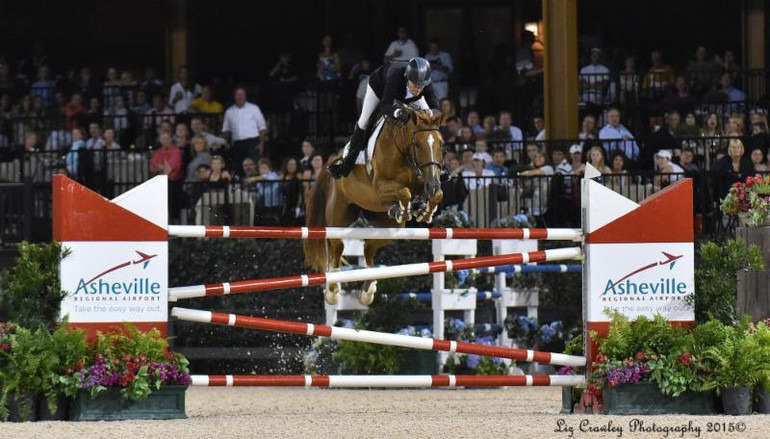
x=646 y=399
x=566 y=400
x=62 y=409
x=166 y=403
x=417 y=363
x=762 y=401
x=736 y=400
x=22 y=408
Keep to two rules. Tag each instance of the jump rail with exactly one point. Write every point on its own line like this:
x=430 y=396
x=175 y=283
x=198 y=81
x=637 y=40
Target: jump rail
x=548 y=268
x=370 y=233
x=405 y=341
x=427 y=297
x=305 y=280
x=349 y=381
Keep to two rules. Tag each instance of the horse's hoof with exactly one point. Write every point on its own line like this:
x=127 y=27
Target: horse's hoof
x=332 y=297
x=367 y=297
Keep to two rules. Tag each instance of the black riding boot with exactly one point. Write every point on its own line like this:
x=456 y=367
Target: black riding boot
x=343 y=166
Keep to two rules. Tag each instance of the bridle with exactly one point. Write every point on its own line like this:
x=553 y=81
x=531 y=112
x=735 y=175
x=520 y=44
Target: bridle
x=410 y=156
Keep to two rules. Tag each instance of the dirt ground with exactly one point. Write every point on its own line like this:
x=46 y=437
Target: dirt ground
x=430 y=413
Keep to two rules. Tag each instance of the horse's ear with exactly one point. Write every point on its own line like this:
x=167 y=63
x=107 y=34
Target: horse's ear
x=437 y=119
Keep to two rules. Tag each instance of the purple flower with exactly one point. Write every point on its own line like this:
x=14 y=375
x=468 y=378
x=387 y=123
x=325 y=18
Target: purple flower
x=472 y=361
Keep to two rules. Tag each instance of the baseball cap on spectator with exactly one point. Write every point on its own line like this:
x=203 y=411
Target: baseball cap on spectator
x=596 y=49
x=575 y=148
x=664 y=153
x=479 y=156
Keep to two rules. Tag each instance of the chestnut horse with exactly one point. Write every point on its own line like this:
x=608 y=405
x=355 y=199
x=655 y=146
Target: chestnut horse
x=404 y=182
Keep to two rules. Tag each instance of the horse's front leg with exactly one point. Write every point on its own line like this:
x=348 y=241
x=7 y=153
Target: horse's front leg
x=396 y=200
x=424 y=210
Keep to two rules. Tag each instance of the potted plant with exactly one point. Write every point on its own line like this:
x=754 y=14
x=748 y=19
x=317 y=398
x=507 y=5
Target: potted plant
x=69 y=351
x=26 y=374
x=130 y=375
x=749 y=200
x=762 y=400
x=571 y=395
x=735 y=366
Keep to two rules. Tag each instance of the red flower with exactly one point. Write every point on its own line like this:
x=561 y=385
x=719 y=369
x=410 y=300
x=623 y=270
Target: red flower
x=79 y=365
x=99 y=357
x=685 y=359
x=127 y=378
x=640 y=356
x=601 y=359
x=131 y=366
x=5 y=347
x=126 y=357
x=116 y=361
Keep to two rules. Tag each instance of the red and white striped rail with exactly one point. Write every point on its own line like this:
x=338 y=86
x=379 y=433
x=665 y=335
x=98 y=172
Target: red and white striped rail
x=404 y=341
x=349 y=381
x=305 y=280
x=370 y=233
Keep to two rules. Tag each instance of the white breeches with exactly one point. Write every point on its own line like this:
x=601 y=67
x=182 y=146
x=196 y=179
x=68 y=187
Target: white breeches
x=370 y=104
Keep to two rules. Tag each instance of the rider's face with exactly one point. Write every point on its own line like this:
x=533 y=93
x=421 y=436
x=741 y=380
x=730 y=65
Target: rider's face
x=414 y=89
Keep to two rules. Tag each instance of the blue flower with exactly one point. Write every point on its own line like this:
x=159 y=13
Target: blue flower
x=464 y=217
x=462 y=275
x=522 y=218
x=458 y=324
x=472 y=361
x=346 y=323
x=425 y=332
x=486 y=340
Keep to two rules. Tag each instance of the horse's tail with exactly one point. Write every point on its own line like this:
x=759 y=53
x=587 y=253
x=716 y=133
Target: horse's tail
x=316 y=250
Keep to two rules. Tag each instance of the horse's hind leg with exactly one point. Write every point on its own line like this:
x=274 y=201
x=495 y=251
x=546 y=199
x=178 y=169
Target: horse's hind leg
x=371 y=246
x=340 y=215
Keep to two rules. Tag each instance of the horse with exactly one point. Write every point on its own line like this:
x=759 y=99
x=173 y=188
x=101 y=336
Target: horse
x=404 y=182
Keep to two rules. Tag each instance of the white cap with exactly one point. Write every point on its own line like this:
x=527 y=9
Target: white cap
x=479 y=156
x=575 y=148
x=664 y=153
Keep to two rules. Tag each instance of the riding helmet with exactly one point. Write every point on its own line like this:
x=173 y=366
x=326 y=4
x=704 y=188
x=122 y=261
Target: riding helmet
x=418 y=71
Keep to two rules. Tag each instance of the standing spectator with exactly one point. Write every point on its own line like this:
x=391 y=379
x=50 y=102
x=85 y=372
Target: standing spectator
x=291 y=191
x=539 y=124
x=360 y=75
x=659 y=77
x=328 y=64
x=183 y=91
x=307 y=154
x=629 y=82
x=402 y=49
x=701 y=72
x=213 y=142
x=473 y=121
x=542 y=170
x=594 y=78
x=44 y=86
x=727 y=64
x=205 y=103
x=284 y=72
x=86 y=86
x=246 y=126
x=151 y=84
x=73 y=155
x=441 y=68
x=617 y=136
x=199 y=156
x=454 y=189
x=268 y=186
x=576 y=159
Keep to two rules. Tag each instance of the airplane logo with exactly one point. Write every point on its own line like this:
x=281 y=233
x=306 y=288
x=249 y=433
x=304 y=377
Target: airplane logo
x=670 y=260
x=144 y=259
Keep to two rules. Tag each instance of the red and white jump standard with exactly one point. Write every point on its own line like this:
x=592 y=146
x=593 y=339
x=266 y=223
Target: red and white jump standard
x=404 y=341
x=370 y=233
x=348 y=381
x=305 y=280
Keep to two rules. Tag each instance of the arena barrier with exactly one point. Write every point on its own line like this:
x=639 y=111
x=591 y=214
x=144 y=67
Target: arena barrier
x=118 y=267
x=352 y=381
x=348 y=334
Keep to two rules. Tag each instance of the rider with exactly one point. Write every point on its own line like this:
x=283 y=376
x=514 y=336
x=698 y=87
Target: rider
x=407 y=82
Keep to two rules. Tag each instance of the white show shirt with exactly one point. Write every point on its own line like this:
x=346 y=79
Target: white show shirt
x=408 y=50
x=245 y=122
x=183 y=104
x=443 y=59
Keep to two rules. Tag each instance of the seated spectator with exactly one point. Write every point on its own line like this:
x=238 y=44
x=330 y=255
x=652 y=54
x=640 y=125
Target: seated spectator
x=167 y=159
x=538 y=203
x=182 y=137
x=480 y=146
x=665 y=137
x=58 y=139
x=201 y=176
x=467 y=136
x=466 y=159
x=160 y=112
x=593 y=79
x=402 y=49
x=75 y=109
x=498 y=163
x=311 y=174
x=44 y=87
x=111 y=88
x=268 y=186
x=758 y=160
x=679 y=98
x=151 y=84
x=441 y=67
x=690 y=127
x=617 y=136
x=94 y=112
x=619 y=170
x=735 y=126
x=539 y=124
x=95 y=140
x=595 y=158
x=31 y=142
x=109 y=142
x=687 y=160
x=291 y=191
x=183 y=91
x=588 y=131
x=479 y=177
x=506 y=126
x=629 y=82
x=451 y=131
x=307 y=154
x=447 y=108
x=73 y=155
x=213 y=142
x=758 y=139
x=141 y=105
x=220 y=176
x=670 y=170
x=532 y=150
x=250 y=172
x=576 y=159
x=454 y=189
x=117 y=115
x=560 y=162
x=199 y=156
x=128 y=87
x=473 y=121
x=489 y=125
x=205 y=103
x=759 y=116
x=735 y=97
x=733 y=167
x=701 y=72
x=659 y=77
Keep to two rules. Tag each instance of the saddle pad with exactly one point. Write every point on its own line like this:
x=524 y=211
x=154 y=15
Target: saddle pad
x=360 y=160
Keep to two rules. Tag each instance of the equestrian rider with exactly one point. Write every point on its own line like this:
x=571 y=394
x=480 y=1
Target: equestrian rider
x=407 y=82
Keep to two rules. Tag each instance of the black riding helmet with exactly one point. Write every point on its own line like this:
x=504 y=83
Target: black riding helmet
x=418 y=71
